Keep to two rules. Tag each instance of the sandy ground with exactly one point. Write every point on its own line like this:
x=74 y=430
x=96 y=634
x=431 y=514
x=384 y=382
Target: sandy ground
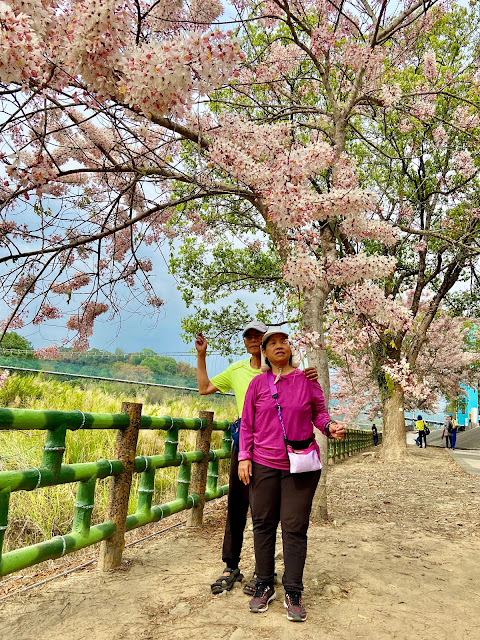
x=399 y=559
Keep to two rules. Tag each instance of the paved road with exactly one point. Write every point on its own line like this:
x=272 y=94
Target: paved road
x=467 y=459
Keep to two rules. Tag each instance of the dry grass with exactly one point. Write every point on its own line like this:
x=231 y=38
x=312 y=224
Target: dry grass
x=41 y=514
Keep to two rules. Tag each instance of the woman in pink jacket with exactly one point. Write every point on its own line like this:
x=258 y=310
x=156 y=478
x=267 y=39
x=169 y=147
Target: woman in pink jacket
x=276 y=494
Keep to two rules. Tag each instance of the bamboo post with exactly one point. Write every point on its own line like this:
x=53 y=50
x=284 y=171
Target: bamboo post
x=4 y=502
x=199 y=475
x=125 y=447
x=83 y=506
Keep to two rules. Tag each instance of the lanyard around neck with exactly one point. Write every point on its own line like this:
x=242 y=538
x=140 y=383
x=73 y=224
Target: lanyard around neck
x=274 y=393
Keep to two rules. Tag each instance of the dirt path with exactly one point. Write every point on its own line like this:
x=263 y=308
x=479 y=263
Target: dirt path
x=400 y=559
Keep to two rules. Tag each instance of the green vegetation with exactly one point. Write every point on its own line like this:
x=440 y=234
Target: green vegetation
x=145 y=366
x=41 y=514
x=11 y=340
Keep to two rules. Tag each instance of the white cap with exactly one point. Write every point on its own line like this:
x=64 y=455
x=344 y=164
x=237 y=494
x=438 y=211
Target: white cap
x=258 y=326
x=272 y=332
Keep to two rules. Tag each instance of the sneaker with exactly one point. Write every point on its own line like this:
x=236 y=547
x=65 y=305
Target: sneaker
x=295 y=609
x=264 y=594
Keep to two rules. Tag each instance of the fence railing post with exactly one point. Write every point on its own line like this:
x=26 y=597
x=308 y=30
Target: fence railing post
x=198 y=482
x=117 y=507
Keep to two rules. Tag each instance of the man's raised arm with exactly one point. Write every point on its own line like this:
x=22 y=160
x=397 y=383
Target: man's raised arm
x=205 y=387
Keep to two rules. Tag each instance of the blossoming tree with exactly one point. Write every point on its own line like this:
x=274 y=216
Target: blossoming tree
x=386 y=87
x=96 y=97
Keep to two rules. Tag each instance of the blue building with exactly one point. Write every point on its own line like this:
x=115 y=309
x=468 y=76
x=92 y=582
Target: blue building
x=468 y=407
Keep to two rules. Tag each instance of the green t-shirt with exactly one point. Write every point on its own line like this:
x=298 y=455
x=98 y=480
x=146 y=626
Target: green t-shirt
x=236 y=377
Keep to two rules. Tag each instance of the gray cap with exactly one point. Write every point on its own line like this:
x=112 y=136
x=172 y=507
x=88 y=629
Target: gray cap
x=257 y=325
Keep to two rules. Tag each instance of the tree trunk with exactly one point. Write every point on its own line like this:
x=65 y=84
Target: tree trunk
x=313 y=311
x=394 y=445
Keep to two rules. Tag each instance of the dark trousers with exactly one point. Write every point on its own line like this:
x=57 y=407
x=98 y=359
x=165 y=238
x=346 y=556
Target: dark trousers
x=375 y=439
x=280 y=496
x=448 y=440
x=422 y=434
x=237 y=508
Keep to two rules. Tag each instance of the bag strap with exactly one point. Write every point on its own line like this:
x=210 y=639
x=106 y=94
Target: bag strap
x=274 y=393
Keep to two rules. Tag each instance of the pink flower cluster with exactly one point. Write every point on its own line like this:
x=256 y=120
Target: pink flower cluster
x=24 y=284
x=369 y=300
x=155 y=301
x=160 y=78
x=46 y=312
x=83 y=323
x=440 y=136
x=20 y=57
x=48 y=353
x=420 y=246
x=464 y=118
x=3 y=377
x=306 y=339
x=360 y=267
x=401 y=373
x=391 y=94
x=204 y=11
x=77 y=281
x=303 y=271
x=430 y=64
x=463 y=163
x=281 y=60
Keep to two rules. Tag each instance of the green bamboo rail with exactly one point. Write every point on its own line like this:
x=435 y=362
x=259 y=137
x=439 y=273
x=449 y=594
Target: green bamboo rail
x=52 y=472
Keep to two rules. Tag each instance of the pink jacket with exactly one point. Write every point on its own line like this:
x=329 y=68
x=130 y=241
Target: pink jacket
x=261 y=435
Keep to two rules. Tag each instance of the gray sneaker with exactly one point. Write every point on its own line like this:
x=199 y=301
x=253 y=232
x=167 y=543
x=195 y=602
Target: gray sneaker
x=295 y=609
x=264 y=594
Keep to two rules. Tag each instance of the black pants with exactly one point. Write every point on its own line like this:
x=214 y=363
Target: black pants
x=422 y=435
x=448 y=441
x=280 y=496
x=237 y=508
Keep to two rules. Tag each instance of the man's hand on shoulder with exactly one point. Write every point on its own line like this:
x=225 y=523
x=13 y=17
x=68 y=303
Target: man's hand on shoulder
x=311 y=373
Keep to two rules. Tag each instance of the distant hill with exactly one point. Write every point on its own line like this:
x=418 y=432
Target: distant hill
x=144 y=366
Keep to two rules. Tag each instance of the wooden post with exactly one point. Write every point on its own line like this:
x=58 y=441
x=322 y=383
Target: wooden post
x=199 y=472
x=119 y=491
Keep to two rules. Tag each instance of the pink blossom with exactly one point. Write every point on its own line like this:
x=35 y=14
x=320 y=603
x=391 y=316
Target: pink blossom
x=391 y=94
x=430 y=64
x=48 y=353
x=465 y=118
x=3 y=377
x=405 y=125
x=155 y=301
x=463 y=162
x=83 y=322
x=420 y=246
x=46 y=312
x=440 y=137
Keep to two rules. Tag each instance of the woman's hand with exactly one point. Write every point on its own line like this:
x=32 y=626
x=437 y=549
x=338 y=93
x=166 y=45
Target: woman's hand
x=337 y=431
x=245 y=471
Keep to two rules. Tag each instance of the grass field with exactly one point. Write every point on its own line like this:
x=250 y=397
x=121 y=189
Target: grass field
x=41 y=514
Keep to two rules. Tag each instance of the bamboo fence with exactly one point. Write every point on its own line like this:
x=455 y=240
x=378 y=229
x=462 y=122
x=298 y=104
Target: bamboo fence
x=195 y=485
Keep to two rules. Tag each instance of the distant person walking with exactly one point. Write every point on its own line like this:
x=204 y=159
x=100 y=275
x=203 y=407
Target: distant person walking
x=454 y=432
x=375 y=434
x=420 y=427
x=448 y=431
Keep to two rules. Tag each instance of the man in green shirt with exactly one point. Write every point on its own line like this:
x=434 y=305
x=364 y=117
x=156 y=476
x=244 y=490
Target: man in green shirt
x=236 y=377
